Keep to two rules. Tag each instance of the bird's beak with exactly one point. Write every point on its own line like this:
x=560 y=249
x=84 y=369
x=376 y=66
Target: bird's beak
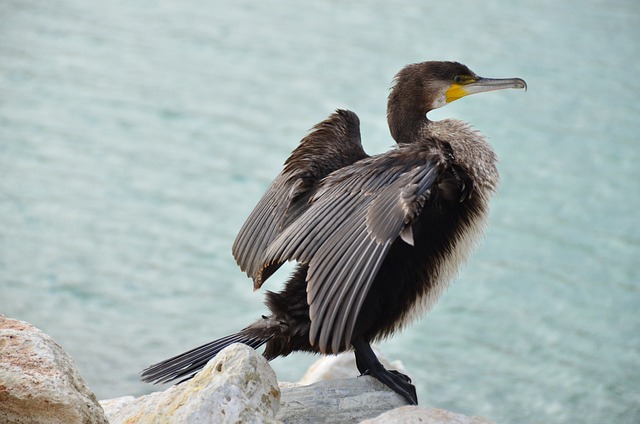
x=480 y=85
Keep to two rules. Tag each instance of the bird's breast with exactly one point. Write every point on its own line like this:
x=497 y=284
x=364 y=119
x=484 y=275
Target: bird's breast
x=457 y=236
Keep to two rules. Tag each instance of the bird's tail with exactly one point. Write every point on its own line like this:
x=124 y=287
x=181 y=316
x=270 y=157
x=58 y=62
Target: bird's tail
x=187 y=364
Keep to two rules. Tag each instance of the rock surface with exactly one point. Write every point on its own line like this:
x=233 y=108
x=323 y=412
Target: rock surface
x=238 y=393
x=237 y=386
x=38 y=380
x=337 y=401
x=416 y=414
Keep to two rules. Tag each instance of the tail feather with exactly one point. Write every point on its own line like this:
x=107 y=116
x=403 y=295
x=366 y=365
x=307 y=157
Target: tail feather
x=185 y=365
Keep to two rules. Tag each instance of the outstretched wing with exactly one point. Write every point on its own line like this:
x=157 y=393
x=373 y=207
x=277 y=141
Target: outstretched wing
x=331 y=145
x=345 y=234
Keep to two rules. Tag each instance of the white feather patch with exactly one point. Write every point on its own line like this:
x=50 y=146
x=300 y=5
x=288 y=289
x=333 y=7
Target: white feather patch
x=407 y=235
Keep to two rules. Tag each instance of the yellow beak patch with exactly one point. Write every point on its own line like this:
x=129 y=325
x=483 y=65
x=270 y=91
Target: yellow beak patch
x=455 y=92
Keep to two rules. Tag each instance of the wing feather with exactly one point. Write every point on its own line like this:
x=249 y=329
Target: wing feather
x=261 y=227
x=331 y=145
x=330 y=252
x=325 y=300
x=349 y=319
x=345 y=308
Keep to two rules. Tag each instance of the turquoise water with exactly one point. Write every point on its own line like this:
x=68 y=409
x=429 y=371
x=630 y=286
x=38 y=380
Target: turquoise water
x=135 y=137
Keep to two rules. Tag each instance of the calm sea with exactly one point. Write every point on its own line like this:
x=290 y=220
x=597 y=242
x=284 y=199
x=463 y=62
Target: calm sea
x=135 y=138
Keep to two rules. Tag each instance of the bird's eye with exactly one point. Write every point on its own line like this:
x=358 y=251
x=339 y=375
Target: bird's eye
x=458 y=79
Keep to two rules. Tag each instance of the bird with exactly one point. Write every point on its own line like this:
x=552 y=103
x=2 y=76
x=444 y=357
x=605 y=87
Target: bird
x=376 y=239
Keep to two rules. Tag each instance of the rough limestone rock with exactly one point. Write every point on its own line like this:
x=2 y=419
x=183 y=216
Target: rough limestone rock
x=237 y=386
x=39 y=384
x=416 y=414
x=343 y=366
x=38 y=380
x=337 y=401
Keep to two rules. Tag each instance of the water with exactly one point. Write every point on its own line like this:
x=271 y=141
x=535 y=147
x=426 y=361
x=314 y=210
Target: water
x=135 y=137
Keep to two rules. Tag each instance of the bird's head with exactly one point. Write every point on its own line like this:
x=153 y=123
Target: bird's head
x=421 y=87
x=434 y=84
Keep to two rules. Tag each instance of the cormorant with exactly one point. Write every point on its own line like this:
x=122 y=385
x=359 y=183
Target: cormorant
x=377 y=238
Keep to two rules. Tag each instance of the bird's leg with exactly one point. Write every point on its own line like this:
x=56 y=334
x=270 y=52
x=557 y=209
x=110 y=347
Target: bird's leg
x=368 y=364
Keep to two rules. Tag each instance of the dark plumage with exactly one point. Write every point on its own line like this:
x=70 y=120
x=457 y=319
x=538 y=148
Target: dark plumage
x=377 y=238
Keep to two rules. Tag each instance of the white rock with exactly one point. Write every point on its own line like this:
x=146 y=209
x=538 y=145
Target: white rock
x=237 y=386
x=112 y=407
x=416 y=414
x=343 y=366
x=38 y=380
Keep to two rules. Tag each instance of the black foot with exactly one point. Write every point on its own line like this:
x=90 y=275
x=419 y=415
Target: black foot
x=402 y=376
x=368 y=364
x=396 y=381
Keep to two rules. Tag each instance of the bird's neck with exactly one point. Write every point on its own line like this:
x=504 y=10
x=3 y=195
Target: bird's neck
x=406 y=122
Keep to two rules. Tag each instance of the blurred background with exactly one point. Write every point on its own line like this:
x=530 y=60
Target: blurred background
x=136 y=137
